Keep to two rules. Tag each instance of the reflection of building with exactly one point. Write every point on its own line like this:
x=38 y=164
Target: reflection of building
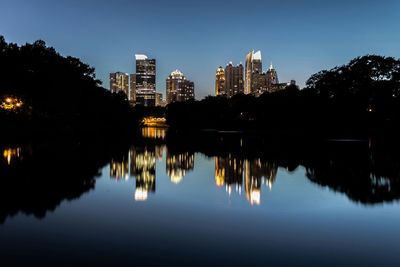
x=143 y=167
x=12 y=154
x=256 y=173
x=233 y=80
x=231 y=171
x=220 y=82
x=145 y=81
x=178 y=165
x=119 y=168
x=119 y=82
x=179 y=88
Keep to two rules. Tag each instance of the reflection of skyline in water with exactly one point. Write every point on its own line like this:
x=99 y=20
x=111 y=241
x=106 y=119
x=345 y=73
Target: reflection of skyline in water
x=11 y=154
x=232 y=172
x=178 y=164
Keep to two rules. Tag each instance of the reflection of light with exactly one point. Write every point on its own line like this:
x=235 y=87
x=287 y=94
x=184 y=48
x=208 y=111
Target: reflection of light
x=141 y=194
x=177 y=176
x=11 y=153
x=255 y=197
x=153 y=132
x=11 y=104
x=154 y=121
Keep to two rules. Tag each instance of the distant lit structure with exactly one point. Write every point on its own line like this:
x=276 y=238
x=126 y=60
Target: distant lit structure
x=160 y=102
x=145 y=81
x=272 y=79
x=234 y=83
x=119 y=82
x=253 y=68
x=220 y=81
x=10 y=103
x=132 y=89
x=179 y=88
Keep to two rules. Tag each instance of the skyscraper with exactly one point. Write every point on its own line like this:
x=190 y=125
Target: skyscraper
x=272 y=79
x=119 y=82
x=179 y=88
x=145 y=80
x=220 y=81
x=233 y=79
x=253 y=70
x=132 y=89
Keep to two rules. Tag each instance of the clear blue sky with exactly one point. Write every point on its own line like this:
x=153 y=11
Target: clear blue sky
x=299 y=37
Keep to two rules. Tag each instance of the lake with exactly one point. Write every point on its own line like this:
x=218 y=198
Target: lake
x=200 y=200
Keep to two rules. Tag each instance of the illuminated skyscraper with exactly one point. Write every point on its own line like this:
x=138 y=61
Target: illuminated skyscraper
x=179 y=88
x=119 y=82
x=273 y=84
x=132 y=89
x=220 y=81
x=253 y=70
x=233 y=79
x=145 y=81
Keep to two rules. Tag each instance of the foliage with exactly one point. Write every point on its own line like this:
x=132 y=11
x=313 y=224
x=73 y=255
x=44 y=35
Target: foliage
x=63 y=90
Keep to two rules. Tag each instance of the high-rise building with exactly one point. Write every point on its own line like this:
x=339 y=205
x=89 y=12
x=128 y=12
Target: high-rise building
x=253 y=70
x=132 y=89
x=272 y=75
x=145 y=80
x=220 y=81
x=233 y=79
x=179 y=88
x=119 y=82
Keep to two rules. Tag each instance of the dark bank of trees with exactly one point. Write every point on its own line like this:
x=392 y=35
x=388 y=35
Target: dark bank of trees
x=355 y=99
x=55 y=92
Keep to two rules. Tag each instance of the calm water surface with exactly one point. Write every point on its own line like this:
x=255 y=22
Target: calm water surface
x=156 y=205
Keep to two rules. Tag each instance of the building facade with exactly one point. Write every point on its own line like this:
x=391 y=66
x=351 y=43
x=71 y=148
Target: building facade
x=145 y=81
x=119 y=82
x=253 y=68
x=220 y=81
x=179 y=88
x=234 y=83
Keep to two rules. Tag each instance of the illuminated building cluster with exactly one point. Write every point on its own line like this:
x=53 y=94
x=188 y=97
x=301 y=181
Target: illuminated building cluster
x=179 y=88
x=140 y=87
x=232 y=81
x=119 y=82
x=229 y=82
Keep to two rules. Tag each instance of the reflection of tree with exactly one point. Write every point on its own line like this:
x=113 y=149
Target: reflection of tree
x=37 y=178
x=178 y=164
x=366 y=176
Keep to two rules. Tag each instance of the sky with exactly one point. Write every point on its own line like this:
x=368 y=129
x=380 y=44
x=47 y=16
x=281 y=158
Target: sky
x=299 y=37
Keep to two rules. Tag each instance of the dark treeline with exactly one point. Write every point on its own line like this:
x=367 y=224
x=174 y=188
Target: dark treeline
x=367 y=171
x=56 y=92
x=36 y=177
x=359 y=98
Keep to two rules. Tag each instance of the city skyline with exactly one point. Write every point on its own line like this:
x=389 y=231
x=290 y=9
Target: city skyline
x=300 y=37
